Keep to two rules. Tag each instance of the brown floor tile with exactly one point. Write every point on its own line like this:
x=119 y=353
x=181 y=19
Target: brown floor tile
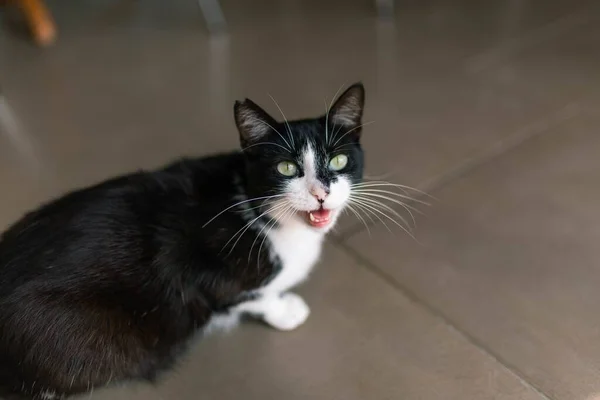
x=509 y=254
x=363 y=340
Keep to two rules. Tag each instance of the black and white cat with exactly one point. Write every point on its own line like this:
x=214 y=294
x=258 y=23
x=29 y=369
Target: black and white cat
x=109 y=283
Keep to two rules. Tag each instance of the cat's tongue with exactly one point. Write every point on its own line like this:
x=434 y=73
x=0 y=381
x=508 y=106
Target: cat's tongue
x=319 y=218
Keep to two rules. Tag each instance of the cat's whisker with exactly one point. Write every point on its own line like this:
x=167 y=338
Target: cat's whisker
x=287 y=213
x=274 y=218
x=401 y=196
x=374 y=202
x=369 y=212
x=284 y=120
x=276 y=131
x=406 y=206
x=239 y=235
x=416 y=199
x=338 y=148
x=385 y=183
x=262 y=242
x=384 y=189
x=409 y=209
x=240 y=203
x=336 y=132
x=247 y=226
x=369 y=206
x=410 y=227
x=265 y=143
x=404 y=197
x=376 y=212
x=368 y=215
x=359 y=217
x=351 y=130
x=326 y=122
x=327 y=109
x=263 y=203
x=272 y=221
x=380 y=203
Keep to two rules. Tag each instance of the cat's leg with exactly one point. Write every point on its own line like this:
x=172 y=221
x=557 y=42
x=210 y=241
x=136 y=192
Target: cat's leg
x=285 y=311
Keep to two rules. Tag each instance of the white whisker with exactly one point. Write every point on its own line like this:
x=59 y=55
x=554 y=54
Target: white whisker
x=382 y=187
x=274 y=218
x=338 y=148
x=385 y=206
x=284 y=120
x=279 y=133
x=408 y=207
x=262 y=143
x=246 y=227
x=327 y=109
x=326 y=122
x=242 y=202
x=349 y=207
x=290 y=210
x=368 y=212
x=408 y=198
x=351 y=130
x=365 y=204
x=384 y=183
x=335 y=133
x=264 y=203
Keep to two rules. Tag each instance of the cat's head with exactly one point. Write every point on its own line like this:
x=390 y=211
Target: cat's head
x=309 y=165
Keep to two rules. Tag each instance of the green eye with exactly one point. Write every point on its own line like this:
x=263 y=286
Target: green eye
x=287 y=168
x=338 y=162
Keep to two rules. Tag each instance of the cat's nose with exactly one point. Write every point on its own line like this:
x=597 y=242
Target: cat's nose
x=319 y=193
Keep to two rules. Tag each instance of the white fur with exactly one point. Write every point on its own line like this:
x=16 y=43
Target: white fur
x=222 y=323
x=297 y=246
x=299 y=190
x=48 y=395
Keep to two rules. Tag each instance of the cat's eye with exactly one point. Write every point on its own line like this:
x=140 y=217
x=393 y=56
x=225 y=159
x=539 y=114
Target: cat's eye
x=338 y=162
x=287 y=168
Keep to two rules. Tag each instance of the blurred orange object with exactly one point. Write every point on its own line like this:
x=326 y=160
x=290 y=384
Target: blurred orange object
x=39 y=19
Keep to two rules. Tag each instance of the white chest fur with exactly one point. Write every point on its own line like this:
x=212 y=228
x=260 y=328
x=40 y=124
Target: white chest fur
x=298 y=248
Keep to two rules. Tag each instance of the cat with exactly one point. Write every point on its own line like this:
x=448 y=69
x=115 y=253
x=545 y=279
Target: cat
x=109 y=283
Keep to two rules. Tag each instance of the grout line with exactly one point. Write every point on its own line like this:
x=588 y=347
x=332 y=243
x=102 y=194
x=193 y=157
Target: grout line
x=497 y=149
x=395 y=284
x=502 y=146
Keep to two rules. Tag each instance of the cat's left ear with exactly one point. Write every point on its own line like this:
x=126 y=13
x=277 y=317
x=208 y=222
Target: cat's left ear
x=347 y=110
x=252 y=122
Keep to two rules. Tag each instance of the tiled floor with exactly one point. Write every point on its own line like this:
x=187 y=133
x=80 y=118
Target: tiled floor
x=490 y=106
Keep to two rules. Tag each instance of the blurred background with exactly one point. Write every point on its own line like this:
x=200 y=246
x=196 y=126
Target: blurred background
x=490 y=106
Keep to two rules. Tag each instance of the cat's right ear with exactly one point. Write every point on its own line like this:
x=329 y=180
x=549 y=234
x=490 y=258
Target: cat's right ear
x=252 y=122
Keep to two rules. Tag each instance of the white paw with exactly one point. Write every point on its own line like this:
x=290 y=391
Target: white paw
x=289 y=312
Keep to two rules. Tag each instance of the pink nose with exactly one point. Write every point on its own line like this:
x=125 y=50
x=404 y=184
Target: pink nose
x=319 y=192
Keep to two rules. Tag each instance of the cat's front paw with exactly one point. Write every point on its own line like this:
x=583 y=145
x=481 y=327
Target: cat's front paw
x=289 y=312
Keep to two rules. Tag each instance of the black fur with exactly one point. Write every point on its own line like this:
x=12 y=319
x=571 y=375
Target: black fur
x=109 y=283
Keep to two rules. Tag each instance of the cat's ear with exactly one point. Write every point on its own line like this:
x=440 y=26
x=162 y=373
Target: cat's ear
x=252 y=122
x=347 y=110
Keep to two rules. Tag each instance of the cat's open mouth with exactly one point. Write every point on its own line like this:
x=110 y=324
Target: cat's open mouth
x=319 y=218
